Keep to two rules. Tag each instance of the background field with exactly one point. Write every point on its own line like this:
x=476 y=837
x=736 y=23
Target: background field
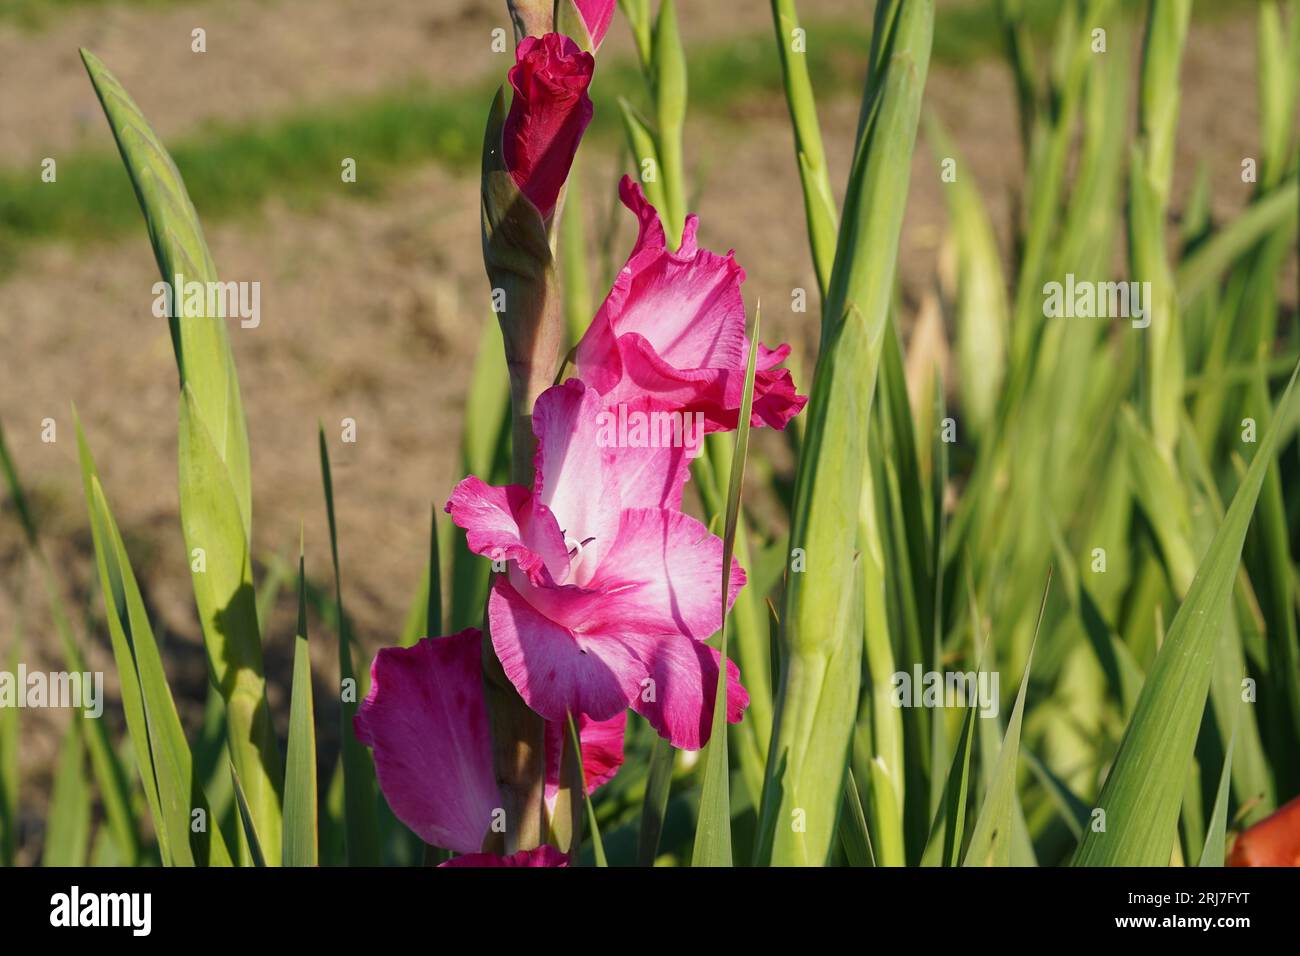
x=373 y=293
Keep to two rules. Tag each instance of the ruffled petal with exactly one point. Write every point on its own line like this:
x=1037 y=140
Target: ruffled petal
x=427 y=723
x=672 y=329
x=687 y=303
x=574 y=479
x=505 y=524
x=649 y=452
x=556 y=671
x=663 y=577
x=678 y=700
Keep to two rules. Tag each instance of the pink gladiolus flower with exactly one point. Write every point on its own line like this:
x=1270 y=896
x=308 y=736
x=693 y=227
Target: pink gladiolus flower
x=426 y=720
x=673 y=329
x=611 y=590
x=548 y=115
x=596 y=14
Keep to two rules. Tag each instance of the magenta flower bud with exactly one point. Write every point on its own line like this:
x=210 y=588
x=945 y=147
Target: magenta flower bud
x=538 y=17
x=596 y=14
x=548 y=115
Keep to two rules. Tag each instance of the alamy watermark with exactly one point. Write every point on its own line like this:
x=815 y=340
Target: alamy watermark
x=58 y=689
x=621 y=427
x=212 y=300
x=946 y=689
x=133 y=911
x=1083 y=299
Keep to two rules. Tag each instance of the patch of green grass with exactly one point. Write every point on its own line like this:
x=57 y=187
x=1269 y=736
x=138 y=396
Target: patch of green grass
x=231 y=169
x=39 y=14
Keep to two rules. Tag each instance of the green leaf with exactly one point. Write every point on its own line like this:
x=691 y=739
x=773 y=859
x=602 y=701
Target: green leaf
x=359 y=797
x=16 y=493
x=821 y=632
x=659 y=781
x=67 y=824
x=575 y=749
x=713 y=826
x=223 y=590
x=109 y=772
x=943 y=848
x=645 y=154
x=300 y=826
x=814 y=177
x=1072 y=810
x=215 y=482
x=202 y=345
x=1277 y=209
x=854 y=835
x=1215 y=850
x=9 y=770
x=246 y=820
x=167 y=770
x=1144 y=789
x=991 y=841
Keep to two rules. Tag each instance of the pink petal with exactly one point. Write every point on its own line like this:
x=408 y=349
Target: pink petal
x=548 y=114
x=602 y=750
x=672 y=329
x=503 y=524
x=775 y=398
x=544 y=855
x=651 y=472
x=556 y=671
x=573 y=476
x=663 y=576
x=685 y=675
x=427 y=723
x=596 y=14
x=687 y=303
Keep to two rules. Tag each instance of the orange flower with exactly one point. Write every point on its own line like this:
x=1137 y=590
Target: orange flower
x=1273 y=841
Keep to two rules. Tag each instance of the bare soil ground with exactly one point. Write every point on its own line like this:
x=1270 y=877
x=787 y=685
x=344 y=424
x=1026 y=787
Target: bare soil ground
x=371 y=309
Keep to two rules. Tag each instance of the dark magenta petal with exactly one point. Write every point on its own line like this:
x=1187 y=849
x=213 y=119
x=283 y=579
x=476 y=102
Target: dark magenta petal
x=548 y=115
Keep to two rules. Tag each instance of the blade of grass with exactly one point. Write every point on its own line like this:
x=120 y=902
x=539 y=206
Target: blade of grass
x=713 y=827
x=854 y=835
x=1215 y=851
x=359 y=788
x=223 y=590
x=167 y=770
x=1143 y=791
x=9 y=768
x=1072 y=810
x=67 y=824
x=818 y=200
x=300 y=824
x=246 y=820
x=991 y=841
x=949 y=827
x=110 y=774
x=821 y=632
x=215 y=481
x=575 y=745
x=659 y=781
